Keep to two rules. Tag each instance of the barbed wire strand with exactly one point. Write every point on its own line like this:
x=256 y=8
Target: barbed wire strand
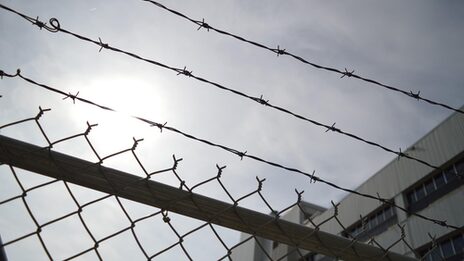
x=279 y=51
x=163 y=126
x=55 y=27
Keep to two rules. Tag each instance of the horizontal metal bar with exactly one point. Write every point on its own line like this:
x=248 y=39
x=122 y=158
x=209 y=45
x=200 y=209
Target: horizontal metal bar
x=94 y=176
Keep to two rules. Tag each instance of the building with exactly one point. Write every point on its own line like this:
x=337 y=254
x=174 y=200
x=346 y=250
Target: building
x=438 y=194
x=256 y=251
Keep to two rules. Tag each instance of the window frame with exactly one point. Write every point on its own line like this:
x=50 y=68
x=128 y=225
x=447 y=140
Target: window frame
x=365 y=228
x=449 y=238
x=444 y=182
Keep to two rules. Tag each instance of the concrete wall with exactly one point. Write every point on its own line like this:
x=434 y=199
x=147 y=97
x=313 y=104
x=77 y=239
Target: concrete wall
x=441 y=145
x=251 y=251
x=245 y=251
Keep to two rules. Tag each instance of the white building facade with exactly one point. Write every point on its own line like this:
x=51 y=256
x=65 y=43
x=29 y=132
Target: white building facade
x=438 y=194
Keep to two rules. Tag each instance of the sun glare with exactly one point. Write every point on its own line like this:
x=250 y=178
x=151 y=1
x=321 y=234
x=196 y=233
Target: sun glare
x=128 y=97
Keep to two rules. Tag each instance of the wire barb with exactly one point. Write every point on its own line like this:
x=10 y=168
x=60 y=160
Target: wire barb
x=241 y=154
x=176 y=161
x=184 y=72
x=54 y=23
x=299 y=196
x=313 y=178
x=332 y=128
x=415 y=95
x=262 y=101
x=401 y=154
x=72 y=97
x=41 y=112
x=260 y=183
x=279 y=51
x=347 y=73
x=159 y=125
x=89 y=128
x=335 y=206
x=136 y=143
x=219 y=170
x=39 y=23
x=202 y=24
x=166 y=219
x=102 y=45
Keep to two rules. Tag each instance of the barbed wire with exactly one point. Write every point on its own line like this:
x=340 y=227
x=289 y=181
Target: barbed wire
x=60 y=167
x=163 y=212
x=279 y=52
x=163 y=126
x=55 y=27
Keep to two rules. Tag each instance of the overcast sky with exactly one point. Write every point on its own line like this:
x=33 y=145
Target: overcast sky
x=414 y=45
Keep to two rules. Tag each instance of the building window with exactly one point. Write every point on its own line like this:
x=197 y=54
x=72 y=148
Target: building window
x=373 y=224
x=420 y=195
x=460 y=168
x=307 y=257
x=450 y=247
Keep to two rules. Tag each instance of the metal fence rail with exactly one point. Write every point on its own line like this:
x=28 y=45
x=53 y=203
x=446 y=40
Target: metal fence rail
x=60 y=166
x=166 y=200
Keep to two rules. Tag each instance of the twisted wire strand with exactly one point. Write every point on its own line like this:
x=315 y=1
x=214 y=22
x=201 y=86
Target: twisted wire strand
x=163 y=126
x=279 y=51
x=57 y=28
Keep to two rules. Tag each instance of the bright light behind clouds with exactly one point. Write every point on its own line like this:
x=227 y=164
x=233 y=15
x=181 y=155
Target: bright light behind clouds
x=128 y=96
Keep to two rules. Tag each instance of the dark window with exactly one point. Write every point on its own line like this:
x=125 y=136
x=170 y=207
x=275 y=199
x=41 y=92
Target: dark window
x=373 y=224
x=427 y=257
x=374 y=221
x=447 y=249
x=460 y=168
x=439 y=180
x=356 y=231
x=371 y=221
x=458 y=243
x=429 y=187
x=435 y=254
x=366 y=224
x=307 y=257
x=381 y=217
x=450 y=175
x=450 y=247
x=411 y=197
x=422 y=194
x=389 y=213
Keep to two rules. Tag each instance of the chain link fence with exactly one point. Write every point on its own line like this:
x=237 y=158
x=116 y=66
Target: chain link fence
x=58 y=203
x=50 y=217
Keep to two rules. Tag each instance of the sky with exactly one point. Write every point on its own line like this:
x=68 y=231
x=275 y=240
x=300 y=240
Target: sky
x=413 y=45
